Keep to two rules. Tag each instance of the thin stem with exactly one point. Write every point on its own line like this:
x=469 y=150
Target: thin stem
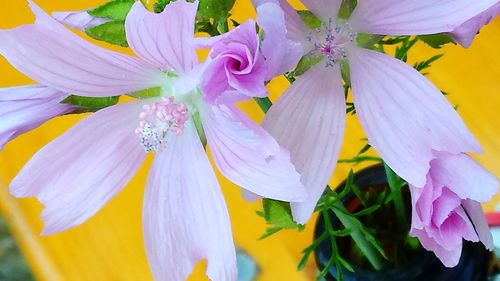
x=364 y=245
x=395 y=184
x=264 y=103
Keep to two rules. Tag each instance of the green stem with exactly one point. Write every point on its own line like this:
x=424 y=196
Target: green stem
x=395 y=185
x=364 y=245
x=264 y=103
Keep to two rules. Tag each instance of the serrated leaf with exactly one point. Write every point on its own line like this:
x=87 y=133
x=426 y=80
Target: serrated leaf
x=114 y=10
x=305 y=63
x=90 y=104
x=436 y=41
x=309 y=19
x=112 y=32
x=270 y=231
x=279 y=214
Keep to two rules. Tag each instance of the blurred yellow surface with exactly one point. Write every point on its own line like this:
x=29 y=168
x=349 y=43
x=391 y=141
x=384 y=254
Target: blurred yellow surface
x=110 y=245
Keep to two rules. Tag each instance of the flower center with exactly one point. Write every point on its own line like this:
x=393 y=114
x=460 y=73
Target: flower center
x=331 y=41
x=160 y=119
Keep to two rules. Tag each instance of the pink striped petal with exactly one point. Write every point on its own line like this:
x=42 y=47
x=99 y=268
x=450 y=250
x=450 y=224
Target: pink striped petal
x=27 y=107
x=465 y=33
x=281 y=53
x=185 y=217
x=80 y=20
x=414 y=17
x=164 y=40
x=248 y=156
x=464 y=176
x=324 y=9
x=52 y=55
x=476 y=214
x=404 y=115
x=79 y=172
x=309 y=120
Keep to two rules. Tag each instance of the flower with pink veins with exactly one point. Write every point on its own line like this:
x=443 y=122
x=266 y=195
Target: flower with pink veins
x=465 y=33
x=77 y=173
x=406 y=118
x=27 y=107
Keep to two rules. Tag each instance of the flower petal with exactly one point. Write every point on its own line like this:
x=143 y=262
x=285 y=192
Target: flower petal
x=414 y=17
x=80 y=20
x=79 y=172
x=52 y=55
x=185 y=217
x=248 y=156
x=296 y=30
x=465 y=33
x=309 y=121
x=164 y=40
x=475 y=212
x=324 y=9
x=404 y=115
x=27 y=107
x=464 y=176
x=281 y=54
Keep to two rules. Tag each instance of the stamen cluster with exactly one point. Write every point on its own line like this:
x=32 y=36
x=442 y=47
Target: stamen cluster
x=160 y=119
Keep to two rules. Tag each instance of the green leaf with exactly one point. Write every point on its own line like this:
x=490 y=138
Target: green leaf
x=114 y=10
x=309 y=19
x=436 y=41
x=270 y=231
x=160 y=5
x=112 y=32
x=148 y=93
x=347 y=7
x=90 y=104
x=278 y=213
x=218 y=10
x=305 y=63
x=427 y=63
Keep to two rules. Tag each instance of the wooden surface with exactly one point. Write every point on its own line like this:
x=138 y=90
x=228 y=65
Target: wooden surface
x=110 y=245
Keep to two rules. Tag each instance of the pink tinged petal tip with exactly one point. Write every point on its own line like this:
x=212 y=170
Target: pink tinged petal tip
x=414 y=17
x=281 y=54
x=158 y=121
x=405 y=117
x=465 y=33
x=248 y=156
x=164 y=40
x=309 y=121
x=79 y=172
x=80 y=20
x=27 y=107
x=52 y=55
x=185 y=218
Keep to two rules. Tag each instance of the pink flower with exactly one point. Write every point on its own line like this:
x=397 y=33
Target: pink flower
x=241 y=65
x=465 y=33
x=79 y=172
x=405 y=117
x=447 y=209
x=25 y=108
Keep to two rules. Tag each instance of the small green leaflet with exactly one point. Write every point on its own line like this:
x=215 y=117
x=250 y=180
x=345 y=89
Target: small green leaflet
x=279 y=216
x=436 y=41
x=115 y=10
x=305 y=63
x=347 y=7
x=90 y=104
x=112 y=32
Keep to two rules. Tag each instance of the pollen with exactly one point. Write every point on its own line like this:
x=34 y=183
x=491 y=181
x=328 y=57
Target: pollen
x=158 y=121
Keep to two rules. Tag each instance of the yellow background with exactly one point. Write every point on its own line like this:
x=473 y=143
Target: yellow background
x=110 y=247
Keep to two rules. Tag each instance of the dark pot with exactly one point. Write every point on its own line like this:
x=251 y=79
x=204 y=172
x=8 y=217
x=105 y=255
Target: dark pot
x=473 y=265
